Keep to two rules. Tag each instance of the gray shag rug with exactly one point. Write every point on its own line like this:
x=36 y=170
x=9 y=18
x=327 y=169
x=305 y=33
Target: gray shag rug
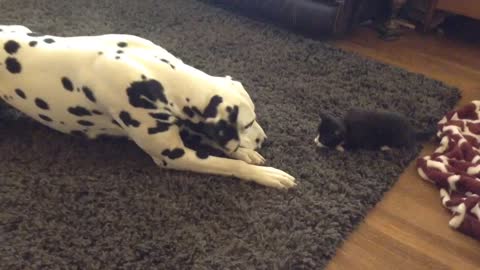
x=66 y=203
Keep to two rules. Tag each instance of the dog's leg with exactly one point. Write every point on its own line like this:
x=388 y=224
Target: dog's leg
x=167 y=150
x=266 y=176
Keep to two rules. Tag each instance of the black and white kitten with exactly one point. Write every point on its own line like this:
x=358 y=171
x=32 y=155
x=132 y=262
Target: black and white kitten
x=372 y=130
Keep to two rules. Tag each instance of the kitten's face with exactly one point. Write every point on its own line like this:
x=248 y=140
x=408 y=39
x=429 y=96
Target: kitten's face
x=331 y=132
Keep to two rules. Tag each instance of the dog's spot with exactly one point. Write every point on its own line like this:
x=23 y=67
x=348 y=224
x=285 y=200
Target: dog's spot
x=233 y=114
x=89 y=94
x=164 y=163
x=11 y=47
x=122 y=44
x=79 y=111
x=160 y=127
x=119 y=51
x=100 y=53
x=13 y=66
x=67 y=84
x=41 y=104
x=49 y=40
x=20 y=93
x=160 y=116
x=128 y=120
x=117 y=57
x=97 y=112
x=211 y=109
x=34 y=34
x=85 y=123
x=45 y=118
x=143 y=77
x=188 y=111
x=144 y=94
x=32 y=43
x=173 y=154
x=116 y=123
x=187 y=99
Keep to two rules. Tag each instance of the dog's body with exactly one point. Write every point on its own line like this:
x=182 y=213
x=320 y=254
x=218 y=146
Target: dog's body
x=372 y=130
x=124 y=85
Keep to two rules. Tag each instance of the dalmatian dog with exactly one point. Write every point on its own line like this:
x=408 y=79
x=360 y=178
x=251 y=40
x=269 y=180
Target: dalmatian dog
x=125 y=85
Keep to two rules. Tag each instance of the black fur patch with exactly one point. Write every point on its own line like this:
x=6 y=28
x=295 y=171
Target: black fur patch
x=45 y=118
x=173 y=154
x=188 y=111
x=212 y=108
x=233 y=114
x=122 y=44
x=42 y=104
x=85 y=123
x=20 y=93
x=194 y=142
x=32 y=43
x=144 y=94
x=89 y=94
x=221 y=132
x=67 y=84
x=49 y=40
x=79 y=111
x=13 y=66
x=128 y=120
x=11 y=47
x=97 y=112
x=160 y=116
x=161 y=127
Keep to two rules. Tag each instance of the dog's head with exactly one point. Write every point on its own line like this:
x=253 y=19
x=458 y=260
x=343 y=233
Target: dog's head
x=230 y=118
x=331 y=131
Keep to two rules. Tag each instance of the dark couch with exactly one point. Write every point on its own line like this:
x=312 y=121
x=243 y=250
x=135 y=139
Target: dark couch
x=318 y=18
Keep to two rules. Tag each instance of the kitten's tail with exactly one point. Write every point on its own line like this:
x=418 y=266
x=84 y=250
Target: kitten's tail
x=425 y=135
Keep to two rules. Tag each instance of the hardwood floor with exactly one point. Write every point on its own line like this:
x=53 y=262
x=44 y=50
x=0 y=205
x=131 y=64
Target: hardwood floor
x=409 y=228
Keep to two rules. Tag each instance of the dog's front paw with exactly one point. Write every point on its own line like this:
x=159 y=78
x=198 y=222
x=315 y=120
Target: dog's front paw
x=272 y=177
x=248 y=155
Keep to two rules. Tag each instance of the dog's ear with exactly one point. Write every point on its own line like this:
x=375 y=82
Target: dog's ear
x=221 y=123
